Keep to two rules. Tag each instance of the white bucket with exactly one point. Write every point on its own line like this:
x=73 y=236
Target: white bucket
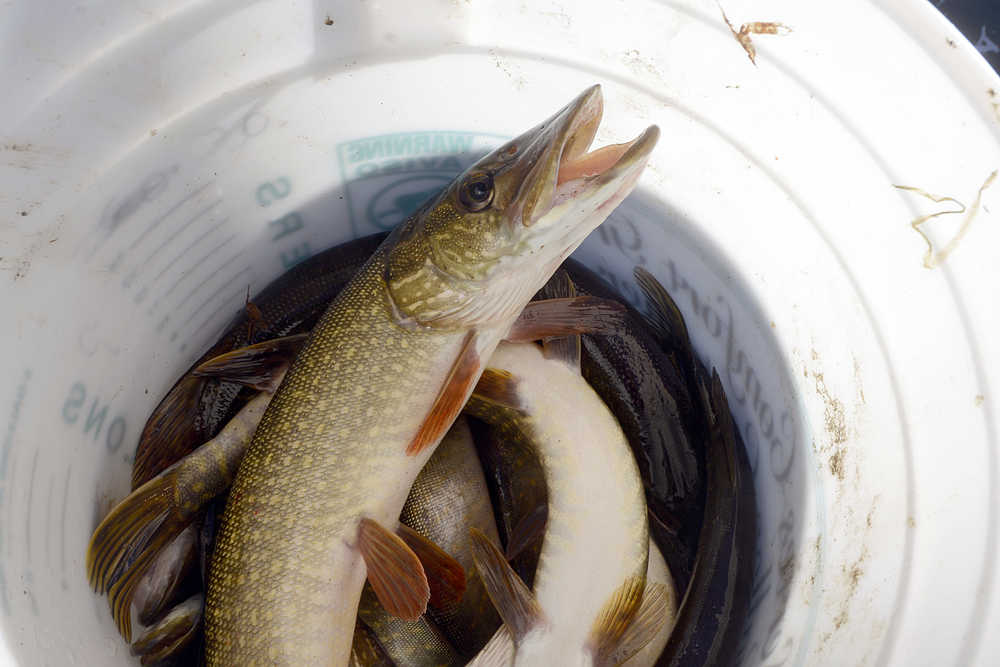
x=155 y=162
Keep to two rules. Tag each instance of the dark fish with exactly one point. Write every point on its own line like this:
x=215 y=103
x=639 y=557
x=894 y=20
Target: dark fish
x=714 y=610
x=648 y=394
x=195 y=408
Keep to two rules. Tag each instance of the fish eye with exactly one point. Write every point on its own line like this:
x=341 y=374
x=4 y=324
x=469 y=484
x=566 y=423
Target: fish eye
x=476 y=193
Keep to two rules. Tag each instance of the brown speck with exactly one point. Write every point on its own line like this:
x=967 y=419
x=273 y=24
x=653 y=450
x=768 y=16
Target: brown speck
x=951 y=43
x=772 y=324
x=911 y=522
x=833 y=414
x=51 y=241
x=328 y=21
x=755 y=28
x=24 y=213
x=153 y=132
x=991 y=92
x=840 y=620
x=978 y=400
x=17 y=147
x=837 y=465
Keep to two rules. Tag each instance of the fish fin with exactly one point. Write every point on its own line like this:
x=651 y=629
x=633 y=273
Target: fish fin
x=394 y=571
x=513 y=600
x=614 y=619
x=159 y=585
x=497 y=386
x=647 y=623
x=564 y=348
x=665 y=317
x=171 y=634
x=170 y=433
x=257 y=365
x=498 y=652
x=567 y=317
x=129 y=539
x=445 y=575
x=448 y=404
x=527 y=530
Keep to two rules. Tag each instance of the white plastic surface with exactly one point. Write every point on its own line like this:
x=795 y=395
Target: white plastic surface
x=156 y=160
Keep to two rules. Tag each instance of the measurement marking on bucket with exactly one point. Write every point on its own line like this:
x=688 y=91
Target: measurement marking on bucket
x=156 y=222
x=48 y=522
x=194 y=265
x=187 y=273
x=204 y=281
x=211 y=298
x=62 y=529
x=27 y=512
x=240 y=291
x=189 y=247
x=129 y=279
x=156 y=252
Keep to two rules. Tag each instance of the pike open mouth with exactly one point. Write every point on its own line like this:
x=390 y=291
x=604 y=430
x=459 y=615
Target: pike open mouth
x=580 y=167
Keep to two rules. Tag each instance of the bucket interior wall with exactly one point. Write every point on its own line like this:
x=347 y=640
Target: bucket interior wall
x=166 y=160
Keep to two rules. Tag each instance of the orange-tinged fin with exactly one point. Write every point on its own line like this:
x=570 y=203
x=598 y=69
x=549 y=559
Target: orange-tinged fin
x=614 y=619
x=653 y=614
x=448 y=404
x=528 y=529
x=445 y=575
x=170 y=432
x=567 y=349
x=498 y=652
x=394 y=571
x=256 y=365
x=513 y=600
x=567 y=317
x=172 y=634
x=499 y=387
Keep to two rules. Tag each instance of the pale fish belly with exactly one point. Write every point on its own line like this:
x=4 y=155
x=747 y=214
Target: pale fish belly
x=596 y=536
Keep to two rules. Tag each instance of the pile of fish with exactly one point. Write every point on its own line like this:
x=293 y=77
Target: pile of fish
x=443 y=446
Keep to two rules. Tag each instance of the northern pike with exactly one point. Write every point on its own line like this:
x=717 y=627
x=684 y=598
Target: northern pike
x=383 y=374
x=589 y=604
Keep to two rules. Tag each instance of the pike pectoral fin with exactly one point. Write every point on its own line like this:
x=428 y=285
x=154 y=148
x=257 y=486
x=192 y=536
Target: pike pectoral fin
x=394 y=571
x=445 y=575
x=567 y=317
x=172 y=634
x=647 y=623
x=615 y=618
x=564 y=348
x=513 y=600
x=527 y=530
x=451 y=398
x=256 y=365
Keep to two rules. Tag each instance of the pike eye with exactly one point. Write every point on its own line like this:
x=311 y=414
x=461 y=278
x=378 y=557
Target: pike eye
x=476 y=192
